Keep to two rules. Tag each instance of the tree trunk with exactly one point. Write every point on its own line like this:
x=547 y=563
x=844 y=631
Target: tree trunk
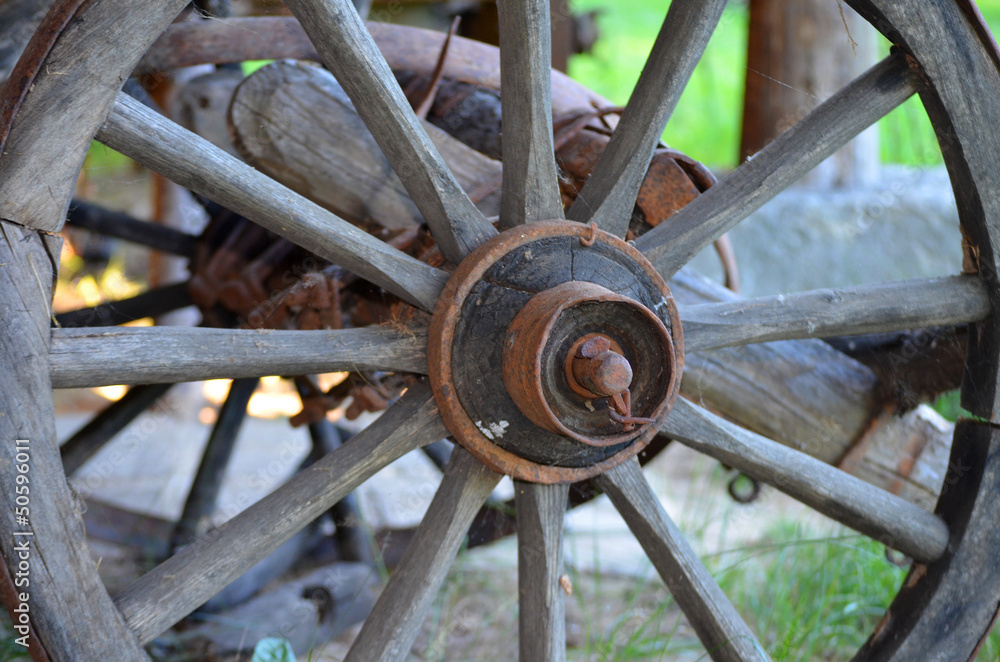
x=799 y=53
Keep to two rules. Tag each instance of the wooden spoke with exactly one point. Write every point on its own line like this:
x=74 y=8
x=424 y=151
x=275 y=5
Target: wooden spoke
x=173 y=589
x=896 y=306
x=530 y=184
x=204 y=493
x=89 y=216
x=196 y=164
x=874 y=512
x=92 y=437
x=348 y=50
x=151 y=303
x=722 y=631
x=792 y=154
x=610 y=193
x=84 y=357
x=542 y=615
x=392 y=626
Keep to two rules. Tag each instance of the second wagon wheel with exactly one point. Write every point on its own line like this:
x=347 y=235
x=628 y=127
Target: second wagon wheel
x=532 y=325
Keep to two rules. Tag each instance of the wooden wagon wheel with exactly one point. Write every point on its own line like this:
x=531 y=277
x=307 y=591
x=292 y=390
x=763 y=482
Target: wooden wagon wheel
x=529 y=319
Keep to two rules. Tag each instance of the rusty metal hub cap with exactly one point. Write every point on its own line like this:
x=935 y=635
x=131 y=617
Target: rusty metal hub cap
x=555 y=352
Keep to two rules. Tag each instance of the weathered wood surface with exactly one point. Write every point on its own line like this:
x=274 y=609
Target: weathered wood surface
x=186 y=580
x=390 y=631
x=838 y=495
x=724 y=634
x=89 y=357
x=531 y=187
x=952 y=53
x=609 y=195
x=295 y=123
x=895 y=306
x=809 y=396
x=194 y=163
x=88 y=440
x=944 y=610
x=349 y=51
x=541 y=510
x=794 y=153
x=63 y=577
x=56 y=122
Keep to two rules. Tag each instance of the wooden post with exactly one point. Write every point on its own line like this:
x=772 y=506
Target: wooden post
x=799 y=53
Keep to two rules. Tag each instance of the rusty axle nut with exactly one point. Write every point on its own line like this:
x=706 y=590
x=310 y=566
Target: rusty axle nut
x=600 y=370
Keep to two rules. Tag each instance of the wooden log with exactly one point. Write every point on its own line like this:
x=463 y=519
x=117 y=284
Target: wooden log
x=348 y=50
x=799 y=53
x=193 y=162
x=63 y=577
x=157 y=355
x=295 y=123
x=807 y=395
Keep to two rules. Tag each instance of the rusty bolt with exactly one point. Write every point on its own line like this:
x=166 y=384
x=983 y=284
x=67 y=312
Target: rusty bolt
x=600 y=370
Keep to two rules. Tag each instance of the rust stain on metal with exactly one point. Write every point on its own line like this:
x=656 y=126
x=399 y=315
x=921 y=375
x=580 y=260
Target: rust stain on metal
x=442 y=335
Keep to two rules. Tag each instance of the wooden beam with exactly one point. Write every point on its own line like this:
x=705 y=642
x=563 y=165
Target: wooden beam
x=896 y=306
x=158 y=355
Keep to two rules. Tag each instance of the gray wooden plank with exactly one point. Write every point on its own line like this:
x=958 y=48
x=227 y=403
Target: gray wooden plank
x=180 y=584
x=894 y=306
x=395 y=621
x=792 y=154
x=541 y=510
x=63 y=578
x=348 y=50
x=874 y=512
x=723 y=632
x=609 y=195
x=530 y=185
x=159 y=355
x=196 y=164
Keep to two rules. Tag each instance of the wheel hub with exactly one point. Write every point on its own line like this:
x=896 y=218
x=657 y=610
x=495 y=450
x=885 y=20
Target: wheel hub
x=555 y=352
